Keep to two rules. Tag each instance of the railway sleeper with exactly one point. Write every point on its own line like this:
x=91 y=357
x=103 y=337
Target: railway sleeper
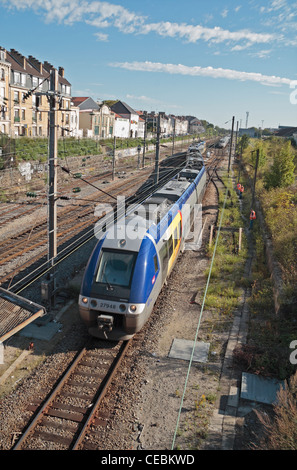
x=76 y=417
x=55 y=438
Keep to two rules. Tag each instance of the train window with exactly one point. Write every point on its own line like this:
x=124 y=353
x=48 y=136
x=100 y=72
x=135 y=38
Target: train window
x=156 y=263
x=170 y=247
x=115 y=268
x=176 y=237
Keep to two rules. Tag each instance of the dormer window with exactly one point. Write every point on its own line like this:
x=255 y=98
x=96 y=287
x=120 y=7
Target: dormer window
x=16 y=77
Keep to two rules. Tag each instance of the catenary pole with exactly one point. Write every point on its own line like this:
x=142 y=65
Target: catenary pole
x=52 y=185
x=231 y=143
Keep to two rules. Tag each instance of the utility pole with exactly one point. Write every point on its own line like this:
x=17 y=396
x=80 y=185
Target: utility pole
x=144 y=139
x=157 y=151
x=231 y=143
x=52 y=188
x=173 y=138
x=236 y=136
x=113 y=157
x=255 y=176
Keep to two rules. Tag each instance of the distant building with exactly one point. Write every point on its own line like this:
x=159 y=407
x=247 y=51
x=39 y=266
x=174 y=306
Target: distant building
x=29 y=117
x=249 y=132
x=286 y=131
x=95 y=119
x=125 y=111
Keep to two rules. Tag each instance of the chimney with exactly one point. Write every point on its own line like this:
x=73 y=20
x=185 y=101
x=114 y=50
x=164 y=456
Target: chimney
x=18 y=58
x=48 y=67
x=61 y=72
x=35 y=63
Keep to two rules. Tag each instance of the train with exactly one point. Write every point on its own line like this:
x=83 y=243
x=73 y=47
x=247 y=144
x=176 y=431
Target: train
x=201 y=146
x=134 y=256
x=223 y=142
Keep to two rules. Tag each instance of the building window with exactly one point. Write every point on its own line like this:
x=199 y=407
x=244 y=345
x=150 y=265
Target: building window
x=16 y=115
x=16 y=97
x=2 y=74
x=23 y=114
x=16 y=77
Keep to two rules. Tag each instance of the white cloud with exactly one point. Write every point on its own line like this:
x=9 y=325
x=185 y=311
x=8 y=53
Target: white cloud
x=142 y=98
x=194 y=33
x=203 y=71
x=263 y=54
x=101 y=37
x=102 y=14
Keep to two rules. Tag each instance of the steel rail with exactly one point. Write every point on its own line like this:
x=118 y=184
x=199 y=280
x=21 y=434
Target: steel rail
x=89 y=415
x=111 y=374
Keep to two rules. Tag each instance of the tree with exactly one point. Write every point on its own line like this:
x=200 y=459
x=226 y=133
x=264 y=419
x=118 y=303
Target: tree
x=281 y=173
x=244 y=142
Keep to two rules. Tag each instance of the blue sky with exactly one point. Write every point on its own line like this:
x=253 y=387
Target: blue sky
x=212 y=59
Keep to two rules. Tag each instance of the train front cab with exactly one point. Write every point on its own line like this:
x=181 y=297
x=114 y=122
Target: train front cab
x=120 y=292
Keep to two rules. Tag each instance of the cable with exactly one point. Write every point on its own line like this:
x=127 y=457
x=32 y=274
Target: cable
x=199 y=320
x=87 y=234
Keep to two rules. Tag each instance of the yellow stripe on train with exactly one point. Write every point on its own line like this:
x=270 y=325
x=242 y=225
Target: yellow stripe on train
x=174 y=239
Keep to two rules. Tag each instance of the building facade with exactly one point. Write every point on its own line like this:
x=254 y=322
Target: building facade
x=96 y=120
x=23 y=115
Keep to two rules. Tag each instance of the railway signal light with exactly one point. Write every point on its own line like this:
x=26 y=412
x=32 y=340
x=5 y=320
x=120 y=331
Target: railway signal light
x=30 y=194
x=76 y=190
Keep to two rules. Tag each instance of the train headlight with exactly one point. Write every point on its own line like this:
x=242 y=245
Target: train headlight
x=85 y=300
x=122 y=307
x=93 y=303
x=132 y=308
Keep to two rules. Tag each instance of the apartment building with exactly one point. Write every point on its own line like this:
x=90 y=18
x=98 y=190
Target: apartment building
x=21 y=116
x=5 y=67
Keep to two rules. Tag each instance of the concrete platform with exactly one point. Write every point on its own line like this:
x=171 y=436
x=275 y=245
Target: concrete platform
x=44 y=332
x=183 y=349
x=259 y=389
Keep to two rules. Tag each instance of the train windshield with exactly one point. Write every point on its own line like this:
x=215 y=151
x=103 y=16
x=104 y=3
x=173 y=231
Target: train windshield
x=116 y=268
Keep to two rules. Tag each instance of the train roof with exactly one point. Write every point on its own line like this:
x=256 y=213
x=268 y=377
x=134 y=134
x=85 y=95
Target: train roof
x=173 y=190
x=141 y=217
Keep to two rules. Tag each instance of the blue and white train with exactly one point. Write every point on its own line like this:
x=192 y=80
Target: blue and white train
x=131 y=262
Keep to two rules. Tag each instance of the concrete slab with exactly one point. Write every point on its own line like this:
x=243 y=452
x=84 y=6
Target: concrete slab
x=183 y=349
x=259 y=389
x=45 y=332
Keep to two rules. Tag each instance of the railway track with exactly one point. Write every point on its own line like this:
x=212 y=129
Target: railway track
x=72 y=409
x=30 y=244
x=57 y=429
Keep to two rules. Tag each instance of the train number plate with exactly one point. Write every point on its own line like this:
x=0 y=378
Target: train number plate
x=107 y=305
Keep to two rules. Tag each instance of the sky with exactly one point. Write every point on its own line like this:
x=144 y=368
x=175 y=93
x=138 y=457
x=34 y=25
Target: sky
x=211 y=59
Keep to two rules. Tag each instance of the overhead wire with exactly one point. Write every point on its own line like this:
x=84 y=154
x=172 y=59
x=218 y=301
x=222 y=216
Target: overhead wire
x=80 y=241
